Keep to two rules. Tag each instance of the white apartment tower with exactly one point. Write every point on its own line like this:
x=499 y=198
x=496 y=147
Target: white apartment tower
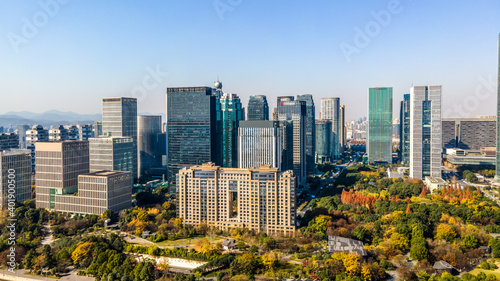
x=330 y=110
x=425 y=131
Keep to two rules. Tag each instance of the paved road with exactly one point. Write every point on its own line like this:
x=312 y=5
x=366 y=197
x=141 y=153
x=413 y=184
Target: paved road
x=481 y=187
x=21 y=275
x=137 y=240
x=48 y=238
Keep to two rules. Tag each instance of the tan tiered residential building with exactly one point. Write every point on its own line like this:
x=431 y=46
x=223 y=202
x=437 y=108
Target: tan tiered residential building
x=260 y=199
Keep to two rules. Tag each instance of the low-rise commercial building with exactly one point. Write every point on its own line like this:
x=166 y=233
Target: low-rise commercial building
x=434 y=183
x=98 y=192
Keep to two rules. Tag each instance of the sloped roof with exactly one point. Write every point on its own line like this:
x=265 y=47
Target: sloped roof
x=440 y=265
x=229 y=243
x=341 y=244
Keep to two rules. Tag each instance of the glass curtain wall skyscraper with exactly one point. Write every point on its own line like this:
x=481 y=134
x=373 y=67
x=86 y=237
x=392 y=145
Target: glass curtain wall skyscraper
x=330 y=110
x=323 y=141
x=119 y=119
x=149 y=129
x=292 y=115
x=497 y=177
x=259 y=143
x=342 y=129
x=232 y=113
x=258 y=109
x=310 y=130
x=379 y=145
x=404 y=129
x=425 y=131
x=191 y=128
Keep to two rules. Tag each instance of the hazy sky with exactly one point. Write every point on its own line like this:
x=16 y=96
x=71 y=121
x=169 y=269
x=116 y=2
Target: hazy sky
x=67 y=55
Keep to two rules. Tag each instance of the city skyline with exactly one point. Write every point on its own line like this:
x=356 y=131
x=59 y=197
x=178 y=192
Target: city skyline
x=464 y=59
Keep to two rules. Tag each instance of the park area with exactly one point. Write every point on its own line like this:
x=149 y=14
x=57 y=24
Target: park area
x=188 y=242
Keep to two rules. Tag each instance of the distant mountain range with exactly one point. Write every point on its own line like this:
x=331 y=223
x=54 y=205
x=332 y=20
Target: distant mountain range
x=49 y=118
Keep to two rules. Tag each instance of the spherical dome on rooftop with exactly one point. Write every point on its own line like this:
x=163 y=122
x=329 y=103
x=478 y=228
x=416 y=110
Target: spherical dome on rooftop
x=218 y=85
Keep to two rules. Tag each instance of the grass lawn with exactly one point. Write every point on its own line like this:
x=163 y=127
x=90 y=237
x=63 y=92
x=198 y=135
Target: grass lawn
x=495 y=272
x=424 y=200
x=189 y=243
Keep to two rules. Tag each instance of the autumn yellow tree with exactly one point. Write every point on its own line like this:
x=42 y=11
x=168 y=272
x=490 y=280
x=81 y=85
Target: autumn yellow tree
x=445 y=232
x=399 y=241
x=203 y=246
x=166 y=205
x=143 y=216
x=83 y=252
x=270 y=260
x=350 y=262
x=178 y=223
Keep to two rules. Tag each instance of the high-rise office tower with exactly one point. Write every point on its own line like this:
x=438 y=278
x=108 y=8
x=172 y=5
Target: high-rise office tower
x=404 y=129
x=15 y=164
x=160 y=171
x=231 y=114
x=35 y=135
x=21 y=132
x=274 y=115
x=379 y=145
x=342 y=129
x=119 y=119
x=259 y=143
x=497 y=177
x=310 y=130
x=97 y=129
x=149 y=127
x=323 y=141
x=191 y=128
x=258 y=108
x=111 y=154
x=58 y=165
x=292 y=117
x=9 y=140
x=58 y=133
x=425 y=131
x=261 y=199
x=330 y=110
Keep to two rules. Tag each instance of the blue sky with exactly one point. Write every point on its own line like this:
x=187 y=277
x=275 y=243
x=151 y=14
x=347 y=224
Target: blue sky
x=81 y=51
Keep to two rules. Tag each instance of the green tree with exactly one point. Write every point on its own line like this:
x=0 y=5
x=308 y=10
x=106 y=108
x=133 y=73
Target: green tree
x=361 y=233
x=470 y=241
x=147 y=272
x=29 y=258
x=253 y=249
x=241 y=245
x=495 y=247
x=419 y=252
